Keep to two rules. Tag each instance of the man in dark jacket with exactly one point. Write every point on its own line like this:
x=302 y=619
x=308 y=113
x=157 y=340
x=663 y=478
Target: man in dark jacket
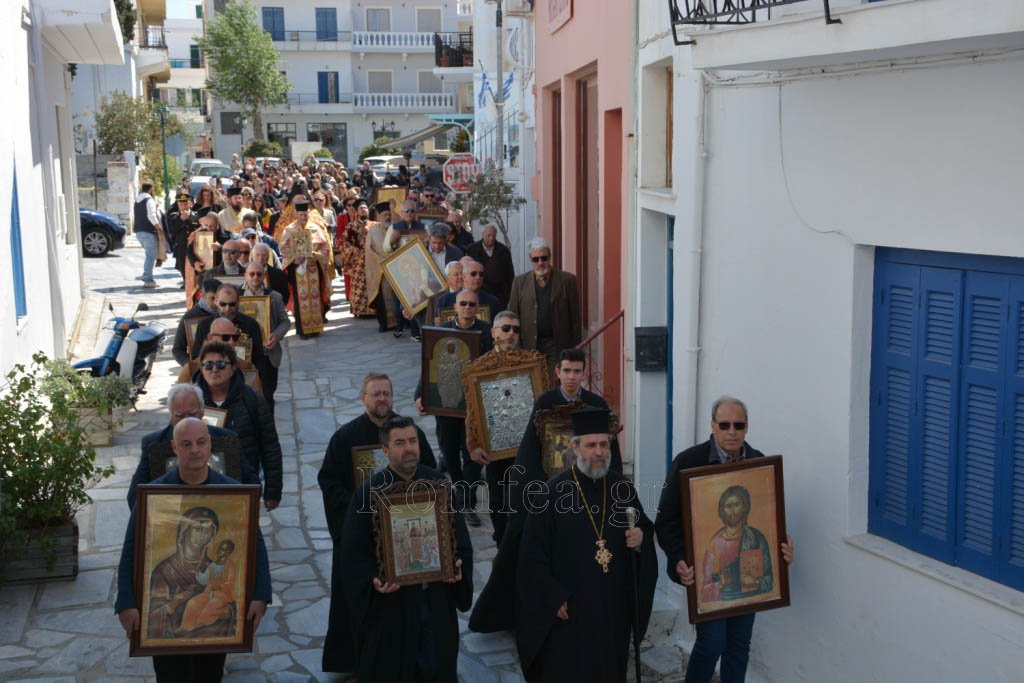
x=183 y=401
x=191 y=443
x=204 y=308
x=495 y=257
x=729 y=638
x=181 y=222
x=248 y=415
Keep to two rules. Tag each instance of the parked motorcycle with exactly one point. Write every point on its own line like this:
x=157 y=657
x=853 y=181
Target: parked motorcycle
x=128 y=348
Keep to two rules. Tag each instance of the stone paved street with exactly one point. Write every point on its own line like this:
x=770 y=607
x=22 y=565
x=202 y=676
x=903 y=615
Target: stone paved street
x=68 y=631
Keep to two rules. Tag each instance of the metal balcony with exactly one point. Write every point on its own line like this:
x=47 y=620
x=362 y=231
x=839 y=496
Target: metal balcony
x=413 y=103
x=453 y=50
x=392 y=41
x=151 y=37
x=314 y=98
x=730 y=12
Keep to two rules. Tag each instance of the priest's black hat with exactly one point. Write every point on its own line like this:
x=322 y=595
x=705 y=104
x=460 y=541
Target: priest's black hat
x=590 y=420
x=234 y=191
x=301 y=204
x=381 y=207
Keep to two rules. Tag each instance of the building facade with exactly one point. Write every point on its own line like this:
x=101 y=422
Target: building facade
x=42 y=285
x=357 y=73
x=827 y=225
x=184 y=92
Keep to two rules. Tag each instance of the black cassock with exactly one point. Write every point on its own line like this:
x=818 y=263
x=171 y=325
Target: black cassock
x=337 y=483
x=557 y=564
x=389 y=629
x=495 y=608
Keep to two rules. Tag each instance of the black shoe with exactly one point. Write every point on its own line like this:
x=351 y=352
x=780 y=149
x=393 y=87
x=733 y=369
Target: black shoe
x=472 y=519
x=417 y=338
x=398 y=333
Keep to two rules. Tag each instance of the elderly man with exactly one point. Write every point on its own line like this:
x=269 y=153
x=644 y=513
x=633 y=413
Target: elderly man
x=548 y=302
x=191 y=444
x=229 y=265
x=183 y=401
x=248 y=415
x=575 y=584
x=495 y=608
x=495 y=257
x=460 y=236
x=280 y=323
x=473 y=277
x=230 y=217
x=205 y=307
x=338 y=484
x=181 y=222
x=728 y=638
x=264 y=255
x=402 y=634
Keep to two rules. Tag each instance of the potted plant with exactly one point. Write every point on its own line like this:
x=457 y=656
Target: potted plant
x=93 y=399
x=46 y=466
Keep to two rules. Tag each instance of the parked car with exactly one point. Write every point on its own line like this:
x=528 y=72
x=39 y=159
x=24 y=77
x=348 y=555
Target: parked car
x=263 y=162
x=193 y=167
x=101 y=232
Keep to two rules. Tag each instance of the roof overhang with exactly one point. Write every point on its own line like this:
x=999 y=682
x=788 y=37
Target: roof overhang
x=82 y=31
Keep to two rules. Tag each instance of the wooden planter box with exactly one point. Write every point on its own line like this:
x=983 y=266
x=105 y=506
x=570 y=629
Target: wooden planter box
x=99 y=427
x=31 y=565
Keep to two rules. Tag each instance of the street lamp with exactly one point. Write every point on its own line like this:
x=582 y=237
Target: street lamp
x=161 y=110
x=499 y=97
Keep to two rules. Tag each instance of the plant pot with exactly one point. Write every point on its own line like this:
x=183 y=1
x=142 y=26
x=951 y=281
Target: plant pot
x=32 y=563
x=445 y=61
x=99 y=427
x=467 y=60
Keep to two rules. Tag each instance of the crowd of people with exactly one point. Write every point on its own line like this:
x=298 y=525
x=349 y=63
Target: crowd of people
x=560 y=581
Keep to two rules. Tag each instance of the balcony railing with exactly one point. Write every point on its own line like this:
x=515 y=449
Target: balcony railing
x=464 y=8
x=314 y=98
x=391 y=41
x=318 y=36
x=453 y=49
x=606 y=343
x=708 y=12
x=152 y=37
x=186 y=64
x=404 y=102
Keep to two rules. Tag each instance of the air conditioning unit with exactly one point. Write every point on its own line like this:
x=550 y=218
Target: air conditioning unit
x=518 y=8
x=293 y=36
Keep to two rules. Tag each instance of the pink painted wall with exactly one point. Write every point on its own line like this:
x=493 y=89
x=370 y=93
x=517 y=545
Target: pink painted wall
x=595 y=46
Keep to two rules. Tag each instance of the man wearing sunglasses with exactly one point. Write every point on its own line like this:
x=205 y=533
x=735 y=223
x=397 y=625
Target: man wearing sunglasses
x=229 y=263
x=248 y=415
x=548 y=302
x=473 y=279
x=205 y=307
x=729 y=638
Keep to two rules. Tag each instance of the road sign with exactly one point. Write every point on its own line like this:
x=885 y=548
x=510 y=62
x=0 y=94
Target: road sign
x=460 y=172
x=175 y=145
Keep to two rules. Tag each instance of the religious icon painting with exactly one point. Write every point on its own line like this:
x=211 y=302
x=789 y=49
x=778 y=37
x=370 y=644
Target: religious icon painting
x=554 y=430
x=202 y=246
x=225 y=457
x=733 y=525
x=195 y=569
x=500 y=390
x=215 y=417
x=257 y=307
x=413 y=275
x=252 y=380
x=448 y=313
x=191 y=324
x=415 y=531
x=444 y=352
x=366 y=460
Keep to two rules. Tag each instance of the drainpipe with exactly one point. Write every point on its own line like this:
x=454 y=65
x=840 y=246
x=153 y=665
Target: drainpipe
x=689 y=304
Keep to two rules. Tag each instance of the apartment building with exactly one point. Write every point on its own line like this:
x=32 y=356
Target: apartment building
x=358 y=72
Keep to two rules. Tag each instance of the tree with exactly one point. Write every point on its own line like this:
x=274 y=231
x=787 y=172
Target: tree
x=262 y=148
x=126 y=16
x=244 y=65
x=125 y=123
x=494 y=200
x=378 y=148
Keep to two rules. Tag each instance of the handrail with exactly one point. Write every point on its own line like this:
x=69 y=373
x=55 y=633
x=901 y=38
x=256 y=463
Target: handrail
x=596 y=333
x=595 y=379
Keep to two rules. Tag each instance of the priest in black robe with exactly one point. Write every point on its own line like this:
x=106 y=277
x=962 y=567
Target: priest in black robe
x=575 y=597
x=495 y=608
x=338 y=484
x=406 y=634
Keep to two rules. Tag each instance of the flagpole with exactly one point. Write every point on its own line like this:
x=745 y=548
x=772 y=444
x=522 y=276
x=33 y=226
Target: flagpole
x=499 y=101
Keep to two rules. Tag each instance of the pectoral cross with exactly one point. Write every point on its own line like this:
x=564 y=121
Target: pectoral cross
x=603 y=556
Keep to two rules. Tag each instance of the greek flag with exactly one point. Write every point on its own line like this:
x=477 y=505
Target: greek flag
x=485 y=86
x=506 y=89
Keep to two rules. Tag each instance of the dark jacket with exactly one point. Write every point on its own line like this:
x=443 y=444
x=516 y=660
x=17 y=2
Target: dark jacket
x=246 y=324
x=250 y=418
x=142 y=475
x=565 y=309
x=126 y=567
x=484 y=298
x=669 y=523
x=180 y=348
x=499 y=272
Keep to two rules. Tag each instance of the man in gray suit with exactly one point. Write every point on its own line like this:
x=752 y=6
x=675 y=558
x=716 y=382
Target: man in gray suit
x=256 y=285
x=547 y=301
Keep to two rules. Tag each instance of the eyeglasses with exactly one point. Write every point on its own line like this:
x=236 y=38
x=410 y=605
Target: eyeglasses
x=227 y=337
x=428 y=196
x=228 y=304
x=378 y=394
x=232 y=251
x=539 y=259
x=477 y=273
x=245 y=251
x=219 y=364
x=468 y=303
x=509 y=328
x=724 y=426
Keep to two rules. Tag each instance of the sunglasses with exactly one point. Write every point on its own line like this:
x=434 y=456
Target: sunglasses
x=724 y=426
x=428 y=196
x=538 y=259
x=509 y=328
x=219 y=364
x=469 y=303
x=227 y=337
x=477 y=273
x=232 y=251
x=228 y=304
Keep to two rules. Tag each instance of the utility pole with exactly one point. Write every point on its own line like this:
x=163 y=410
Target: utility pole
x=162 y=111
x=499 y=98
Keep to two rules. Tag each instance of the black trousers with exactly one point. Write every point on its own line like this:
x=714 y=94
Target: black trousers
x=451 y=437
x=268 y=378
x=380 y=308
x=498 y=490
x=189 y=668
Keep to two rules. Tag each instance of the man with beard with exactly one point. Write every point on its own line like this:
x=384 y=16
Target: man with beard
x=575 y=592
x=181 y=222
x=230 y=217
x=173 y=581
x=495 y=608
x=727 y=639
x=338 y=484
x=401 y=634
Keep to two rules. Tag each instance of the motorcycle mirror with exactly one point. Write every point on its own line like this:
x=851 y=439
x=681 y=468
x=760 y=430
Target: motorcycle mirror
x=110 y=307
x=142 y=307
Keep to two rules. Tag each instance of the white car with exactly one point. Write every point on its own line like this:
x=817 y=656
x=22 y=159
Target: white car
x=263 y=162
x=193 y=168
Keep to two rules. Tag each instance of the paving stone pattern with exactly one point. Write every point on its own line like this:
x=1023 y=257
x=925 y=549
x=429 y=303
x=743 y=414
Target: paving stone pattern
x=65 y=632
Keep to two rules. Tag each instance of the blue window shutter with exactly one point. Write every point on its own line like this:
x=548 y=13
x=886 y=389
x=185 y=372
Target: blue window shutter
x=273 y=22
x=1010 y=513
x=326 y=23
x=17 y=255
x=893 y=370
x=321 y=85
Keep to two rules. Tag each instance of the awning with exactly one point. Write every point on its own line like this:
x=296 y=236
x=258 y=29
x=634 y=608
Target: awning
x=419 y=136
